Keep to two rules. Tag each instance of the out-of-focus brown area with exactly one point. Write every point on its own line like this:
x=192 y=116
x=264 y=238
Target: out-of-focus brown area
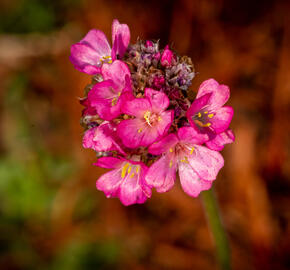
x=52 y=216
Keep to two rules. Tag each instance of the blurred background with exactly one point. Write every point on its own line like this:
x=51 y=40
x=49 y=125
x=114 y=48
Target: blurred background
x=52 y=216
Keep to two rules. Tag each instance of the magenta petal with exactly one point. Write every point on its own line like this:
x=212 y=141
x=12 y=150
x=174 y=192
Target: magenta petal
x=120 y=39
x=85 y=59
x=105 y=99
x=117 y=72
x=102 y=91
x=97 y=40
x=220 y=93
x=102 y=138
x=163 y=145
x=133 y=191
x=218 y=142
x=161 y=174
x=96 y=139
x=109 y=162
x=159 y=101
x=135 y=133
x=165 y=122
x=206 y=162
x=110 y=182
x=191 y=135
x=128 y=132
x=191 y=183
x=222 y=119
x=136 y=107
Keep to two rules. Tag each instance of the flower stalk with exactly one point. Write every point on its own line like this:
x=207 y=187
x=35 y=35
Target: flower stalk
x=217 y=228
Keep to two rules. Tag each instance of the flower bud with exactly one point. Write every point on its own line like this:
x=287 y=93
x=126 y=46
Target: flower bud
x=166 y=57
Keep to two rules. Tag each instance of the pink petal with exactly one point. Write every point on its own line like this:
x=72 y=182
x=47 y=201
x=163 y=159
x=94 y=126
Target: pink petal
x=162 y=174
x=205 y=162
x=135 y=133
x=95 y=139
x=159 y=101
x=220 y=93
x=102 y=97
x=110 y=182
x=97 y=40
x=163 y=145
x=117 y=72
x=132 y=190
x=165 y=122
x=222 y=119
x=102 y=138
x=218 y=142
x=109 y=162
x=85 y=59
x=88 y=110
x=191 y=183
x=136 y=107
x=191 y=135
x=120 y=39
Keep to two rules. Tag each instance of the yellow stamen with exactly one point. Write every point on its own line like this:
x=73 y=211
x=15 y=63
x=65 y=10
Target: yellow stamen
x=137 y=169
x=105 y=58
x=199 y=114
x=159 y=118
x=202 y=124
x=114 y=101
x=124 y=170
x=170 y=150
x=139 y=130
x=184 y=160
x=206 y=112
x=170 y=164
x=210 y=115
x=132 y=175
x=191 y=151
x=129 y=169
x=147 y=117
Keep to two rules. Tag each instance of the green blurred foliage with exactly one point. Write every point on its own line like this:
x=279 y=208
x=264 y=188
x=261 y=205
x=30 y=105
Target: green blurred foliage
x=25 y=16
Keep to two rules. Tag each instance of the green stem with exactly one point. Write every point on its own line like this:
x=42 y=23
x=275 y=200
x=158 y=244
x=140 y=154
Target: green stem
x=215 y=223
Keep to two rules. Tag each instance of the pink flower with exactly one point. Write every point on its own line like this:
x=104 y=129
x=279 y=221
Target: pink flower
x=166 y=57
x=102 y=138
x=207 y=113
x=93 y=50
x=151 y=119
x=197 y=165
x=106 y=96
x=125 y=181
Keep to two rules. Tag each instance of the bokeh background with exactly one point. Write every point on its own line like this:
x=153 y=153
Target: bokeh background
x=51 y=215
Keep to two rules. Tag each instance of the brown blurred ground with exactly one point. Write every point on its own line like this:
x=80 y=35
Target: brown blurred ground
x=52 y=217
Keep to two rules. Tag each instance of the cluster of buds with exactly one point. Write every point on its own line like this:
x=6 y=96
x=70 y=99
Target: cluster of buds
x=139 y=118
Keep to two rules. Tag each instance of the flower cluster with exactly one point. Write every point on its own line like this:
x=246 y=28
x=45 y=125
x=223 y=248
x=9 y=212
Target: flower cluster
x=141 y=122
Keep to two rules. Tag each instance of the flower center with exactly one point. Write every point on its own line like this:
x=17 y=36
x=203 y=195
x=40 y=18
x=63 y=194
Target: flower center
x=151 y=118
x=115 y=99
x=106 y=59
x=202 y=118
x=129 y=169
